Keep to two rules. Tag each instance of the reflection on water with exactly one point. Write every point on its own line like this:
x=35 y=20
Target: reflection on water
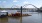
x=35 y=18
x=10 y=20
x=14 y=20
x=4 y=20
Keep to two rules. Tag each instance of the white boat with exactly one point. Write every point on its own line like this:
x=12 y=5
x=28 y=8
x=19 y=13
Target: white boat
x=3 y=13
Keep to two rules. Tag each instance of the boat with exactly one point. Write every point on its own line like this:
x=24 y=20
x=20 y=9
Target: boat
x=3 y=13
x=18 y=14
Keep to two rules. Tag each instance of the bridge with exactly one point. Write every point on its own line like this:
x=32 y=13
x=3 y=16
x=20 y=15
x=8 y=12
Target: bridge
x=24 y=6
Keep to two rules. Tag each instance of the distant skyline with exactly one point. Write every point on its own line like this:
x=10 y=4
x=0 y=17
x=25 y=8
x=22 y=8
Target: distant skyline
x=10 y=3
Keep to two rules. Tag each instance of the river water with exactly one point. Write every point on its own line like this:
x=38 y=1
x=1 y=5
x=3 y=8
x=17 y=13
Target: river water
x=34 y=18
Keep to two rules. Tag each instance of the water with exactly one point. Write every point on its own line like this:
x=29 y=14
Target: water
x=35 y=18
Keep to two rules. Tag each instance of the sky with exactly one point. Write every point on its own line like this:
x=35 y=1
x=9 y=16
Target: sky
x=13 y=3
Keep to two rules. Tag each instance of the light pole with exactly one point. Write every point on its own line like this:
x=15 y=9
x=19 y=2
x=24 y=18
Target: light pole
x=21 y=10
x=21 y=15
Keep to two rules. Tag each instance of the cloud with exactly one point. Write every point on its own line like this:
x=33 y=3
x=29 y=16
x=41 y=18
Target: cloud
x=26 y=2
x=29 y=6
x=4 y=1
x=0 y=1
x=15 y=1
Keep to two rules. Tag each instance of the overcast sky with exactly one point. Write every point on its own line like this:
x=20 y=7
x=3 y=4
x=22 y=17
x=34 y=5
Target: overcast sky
x=10 y=3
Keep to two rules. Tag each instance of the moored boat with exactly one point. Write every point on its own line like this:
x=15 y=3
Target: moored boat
x=3 y=13
x=18 y=14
